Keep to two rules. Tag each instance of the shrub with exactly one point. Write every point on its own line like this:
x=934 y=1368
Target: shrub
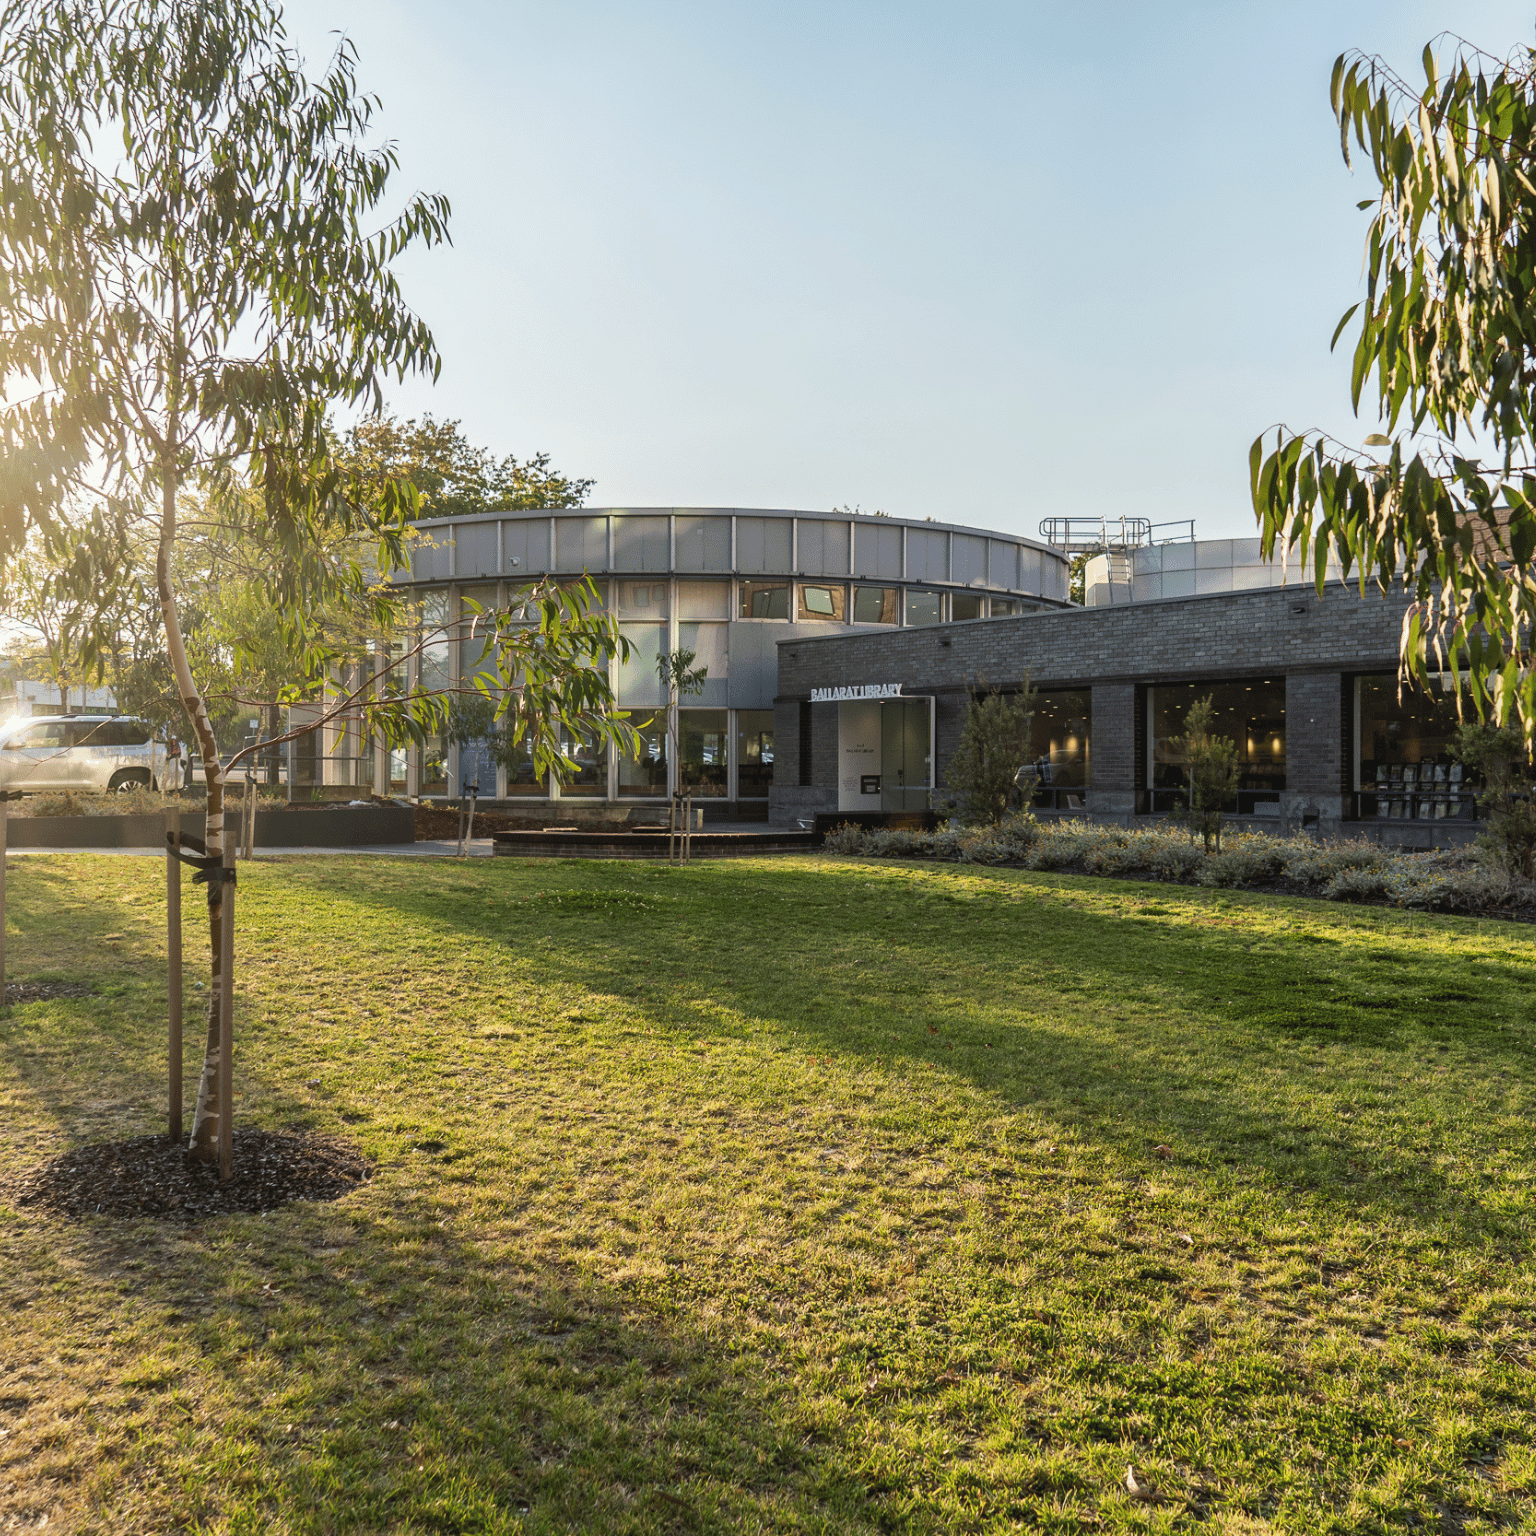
x=844 y=838
x=1246 y=860
x=1357 y=884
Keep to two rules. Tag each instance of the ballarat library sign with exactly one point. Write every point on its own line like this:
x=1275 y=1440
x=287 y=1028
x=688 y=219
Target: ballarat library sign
x=856 y=691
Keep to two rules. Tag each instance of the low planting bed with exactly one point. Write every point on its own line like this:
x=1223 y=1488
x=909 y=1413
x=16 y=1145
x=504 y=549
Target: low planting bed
x=1439 y=880
x=784 y=1195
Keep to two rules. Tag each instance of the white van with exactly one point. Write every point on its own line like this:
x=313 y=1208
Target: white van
x=46 y=754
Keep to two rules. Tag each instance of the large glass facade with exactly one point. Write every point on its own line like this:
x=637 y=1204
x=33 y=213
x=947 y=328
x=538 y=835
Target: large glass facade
x=643 y=774
x=1059 y=747
x=1403 y=768
x=754 y=753
x=586 y=760
x=704 y=752
x=1250 y=713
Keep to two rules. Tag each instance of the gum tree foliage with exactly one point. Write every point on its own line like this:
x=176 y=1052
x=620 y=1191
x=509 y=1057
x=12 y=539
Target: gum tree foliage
x=1445 y=350
x=1210 y=763
x=191 y=279
x=994 y=744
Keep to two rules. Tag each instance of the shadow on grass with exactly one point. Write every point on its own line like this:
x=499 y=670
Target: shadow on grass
x=1296 y=1044
x=380 y=1370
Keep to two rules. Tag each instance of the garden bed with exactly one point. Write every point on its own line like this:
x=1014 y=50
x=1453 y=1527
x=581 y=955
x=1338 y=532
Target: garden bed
x=1436 y=880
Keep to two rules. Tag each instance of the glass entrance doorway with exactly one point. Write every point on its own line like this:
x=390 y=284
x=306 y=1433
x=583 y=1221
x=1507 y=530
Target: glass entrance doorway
x=906 y=759
x=885 y=754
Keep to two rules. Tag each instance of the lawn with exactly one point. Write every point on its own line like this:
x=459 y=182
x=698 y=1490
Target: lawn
x=794 y=1195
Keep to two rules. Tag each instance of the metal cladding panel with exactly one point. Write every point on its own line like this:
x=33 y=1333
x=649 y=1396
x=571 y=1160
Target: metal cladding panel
x=581 y=543
x=1029 y=569
x=823 y=547
x=877 y=551
x=970 y=560
x=762 y=545
x=1002 y=563
x=754 y=654
x=927 y=555
x=525 y=546
x=703 y=543
x=430 y=558
x=474 y=554
x=640 y=544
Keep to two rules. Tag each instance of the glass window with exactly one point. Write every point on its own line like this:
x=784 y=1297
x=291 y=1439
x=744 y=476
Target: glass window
x=754 y=753
x=876 y=605
x=435 y=643
x=521 y=779
x=1405 y=752
x=708 y=642
x=704 y=600
x=967 y=605
x=477 y=620
x=924 y=607
x=645 y=773
x=1058 y=739
x=639 y=686
x=434 y=767
x=764 y=600
x=644 y=599
x=38 y=736
x=822 y=602
x=587 y=765
x=1251 y=714
x=703 y=743
x=1004 y=607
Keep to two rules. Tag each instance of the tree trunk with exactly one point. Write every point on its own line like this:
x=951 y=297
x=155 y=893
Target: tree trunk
x=205 y=1121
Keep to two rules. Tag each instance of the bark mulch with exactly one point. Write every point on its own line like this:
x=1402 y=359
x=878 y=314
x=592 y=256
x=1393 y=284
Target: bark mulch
x=41 y=991
x=150 y=1176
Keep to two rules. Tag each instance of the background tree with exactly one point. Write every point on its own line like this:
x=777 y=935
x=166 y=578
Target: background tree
x=1212 y=773
x=1446 y=343
x=994 y=744
x=455 y=478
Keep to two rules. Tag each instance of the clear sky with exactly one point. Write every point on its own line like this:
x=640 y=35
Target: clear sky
x=984 y=262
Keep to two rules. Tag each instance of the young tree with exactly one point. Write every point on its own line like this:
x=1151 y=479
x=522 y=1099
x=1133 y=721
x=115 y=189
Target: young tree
x=1210 y=763
x=994 y=744
x=681 y=679
x=189 y=284
x=1497 y=754
x=1444 y=498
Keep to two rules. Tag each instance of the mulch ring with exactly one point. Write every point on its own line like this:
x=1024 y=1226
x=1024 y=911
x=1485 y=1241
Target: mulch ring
x=41 y=991
x=150 y=1176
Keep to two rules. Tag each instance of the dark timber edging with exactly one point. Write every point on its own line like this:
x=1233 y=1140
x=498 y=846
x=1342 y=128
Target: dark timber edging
x=341 y=827
x=647 y=845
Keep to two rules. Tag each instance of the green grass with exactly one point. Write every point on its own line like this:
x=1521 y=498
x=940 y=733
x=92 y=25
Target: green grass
x=787 y=1195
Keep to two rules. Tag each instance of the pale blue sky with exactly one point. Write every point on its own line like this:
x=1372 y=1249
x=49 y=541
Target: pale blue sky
x=985 y=262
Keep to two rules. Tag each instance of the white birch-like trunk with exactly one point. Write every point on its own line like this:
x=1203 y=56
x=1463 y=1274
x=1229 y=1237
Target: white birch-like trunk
x=205 y=1120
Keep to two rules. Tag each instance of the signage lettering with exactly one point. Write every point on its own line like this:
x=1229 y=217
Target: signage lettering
x=856 y=691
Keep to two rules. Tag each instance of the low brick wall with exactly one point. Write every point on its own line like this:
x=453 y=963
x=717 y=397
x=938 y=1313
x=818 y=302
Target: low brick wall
x=325 y=827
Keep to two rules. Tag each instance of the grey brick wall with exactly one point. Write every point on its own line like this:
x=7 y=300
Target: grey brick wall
x=1315 y=643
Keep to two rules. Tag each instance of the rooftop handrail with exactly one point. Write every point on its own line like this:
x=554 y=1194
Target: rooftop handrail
x=1081 y=534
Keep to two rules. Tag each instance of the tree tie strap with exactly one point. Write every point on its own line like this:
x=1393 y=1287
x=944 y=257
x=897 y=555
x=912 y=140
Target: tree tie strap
x=209 y=869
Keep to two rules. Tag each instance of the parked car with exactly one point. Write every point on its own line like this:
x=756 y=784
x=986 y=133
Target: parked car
x=50 y=753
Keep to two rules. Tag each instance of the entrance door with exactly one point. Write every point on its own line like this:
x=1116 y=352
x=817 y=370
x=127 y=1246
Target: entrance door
x=906 y=761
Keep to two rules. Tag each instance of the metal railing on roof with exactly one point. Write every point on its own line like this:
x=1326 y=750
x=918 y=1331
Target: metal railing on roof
x=1089 y=535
